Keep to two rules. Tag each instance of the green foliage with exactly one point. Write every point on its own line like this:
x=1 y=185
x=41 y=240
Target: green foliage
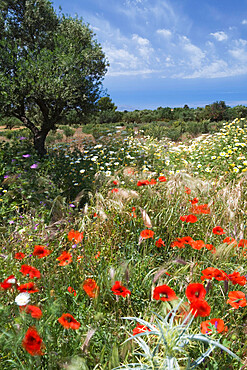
x=54 y=136
x=68 y=131
x=216 y=111
x=10 y=122
x=105 y=104
x=49 y=65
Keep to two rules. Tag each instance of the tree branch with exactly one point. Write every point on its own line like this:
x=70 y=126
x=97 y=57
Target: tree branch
x=29 y=124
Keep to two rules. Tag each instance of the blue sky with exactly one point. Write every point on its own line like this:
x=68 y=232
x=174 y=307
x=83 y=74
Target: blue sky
x=169 y=53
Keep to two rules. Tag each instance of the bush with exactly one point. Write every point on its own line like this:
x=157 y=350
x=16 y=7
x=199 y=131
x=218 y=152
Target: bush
x=174 y=133
x=53 y=137
x=68 y=131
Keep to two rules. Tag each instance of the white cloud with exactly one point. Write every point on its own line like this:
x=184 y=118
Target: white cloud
x=129 y=56
x=215 y=69
x=165 y=33
x=220 y=36
x=143 y=46
x=193 y=53
x=135 y=72
x=239 y=53
x=120 y=58
x=148 y=14
x=155 y=44
x=244 y=21
x=140 y=40
x=238 y=50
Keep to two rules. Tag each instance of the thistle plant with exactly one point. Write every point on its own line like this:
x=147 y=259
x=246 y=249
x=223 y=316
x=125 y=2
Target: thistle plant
x=167 y=345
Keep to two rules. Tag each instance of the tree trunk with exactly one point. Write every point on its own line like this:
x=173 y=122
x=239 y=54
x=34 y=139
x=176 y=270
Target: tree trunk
x=39 y=136
x=39 y=142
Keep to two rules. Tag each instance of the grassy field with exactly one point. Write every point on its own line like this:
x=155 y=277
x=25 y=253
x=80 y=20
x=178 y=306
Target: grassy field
x=124 y=226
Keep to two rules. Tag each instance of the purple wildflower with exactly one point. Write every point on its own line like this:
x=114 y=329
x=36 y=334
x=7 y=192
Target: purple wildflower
x=34 y=165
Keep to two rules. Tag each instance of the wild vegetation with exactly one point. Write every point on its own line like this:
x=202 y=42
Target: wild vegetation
x=123 y=244
x=125 y=226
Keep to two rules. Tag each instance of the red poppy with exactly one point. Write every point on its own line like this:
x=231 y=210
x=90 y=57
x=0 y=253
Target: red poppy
x=19 y=256
x=218 y=323
x=193 y=201
x=115 y=190
x=140 y=329
x=68 y=321
x=152 y=182
x=208 y=273
x=119 y=289
x=91 y=288
x=236 y=278
x=95 y=215
x=242 y=243
x=220 y=275
x=64 y=259
x=71 y=290
x=76 y=235
x=8 y=282
x=97 y=255
x=200 y=307
x=162 y=179
x=178 y=243
x=34 y=311
x=146 y=234
x=79 y=258
x=191 y=219
x=229 y=240
x=167 y=293
x=210 y=247
x=237 y=299
x=200 y=209
x=195 y=291
x=187 y=190
x=115 y=182
x=183 y=218
x=31 y=271
x=33 y=343
x=40 y=251
x=186 y=239
x=28 y=287
x=159 y=243
x=218 y=230
x=142 y=182
x=197 y=244
x=133 y=214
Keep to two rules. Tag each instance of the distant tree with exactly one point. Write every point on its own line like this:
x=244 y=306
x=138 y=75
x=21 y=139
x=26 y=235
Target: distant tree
x=132 y=117
x=49 y=65
x=109 y=116
x=106 y=104
x=187 y=114
x=200 y=114
x=165 y=113
x=216 y=111
x=240 y=111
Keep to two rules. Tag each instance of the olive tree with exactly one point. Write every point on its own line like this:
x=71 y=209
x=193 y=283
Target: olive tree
x=49 y=65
